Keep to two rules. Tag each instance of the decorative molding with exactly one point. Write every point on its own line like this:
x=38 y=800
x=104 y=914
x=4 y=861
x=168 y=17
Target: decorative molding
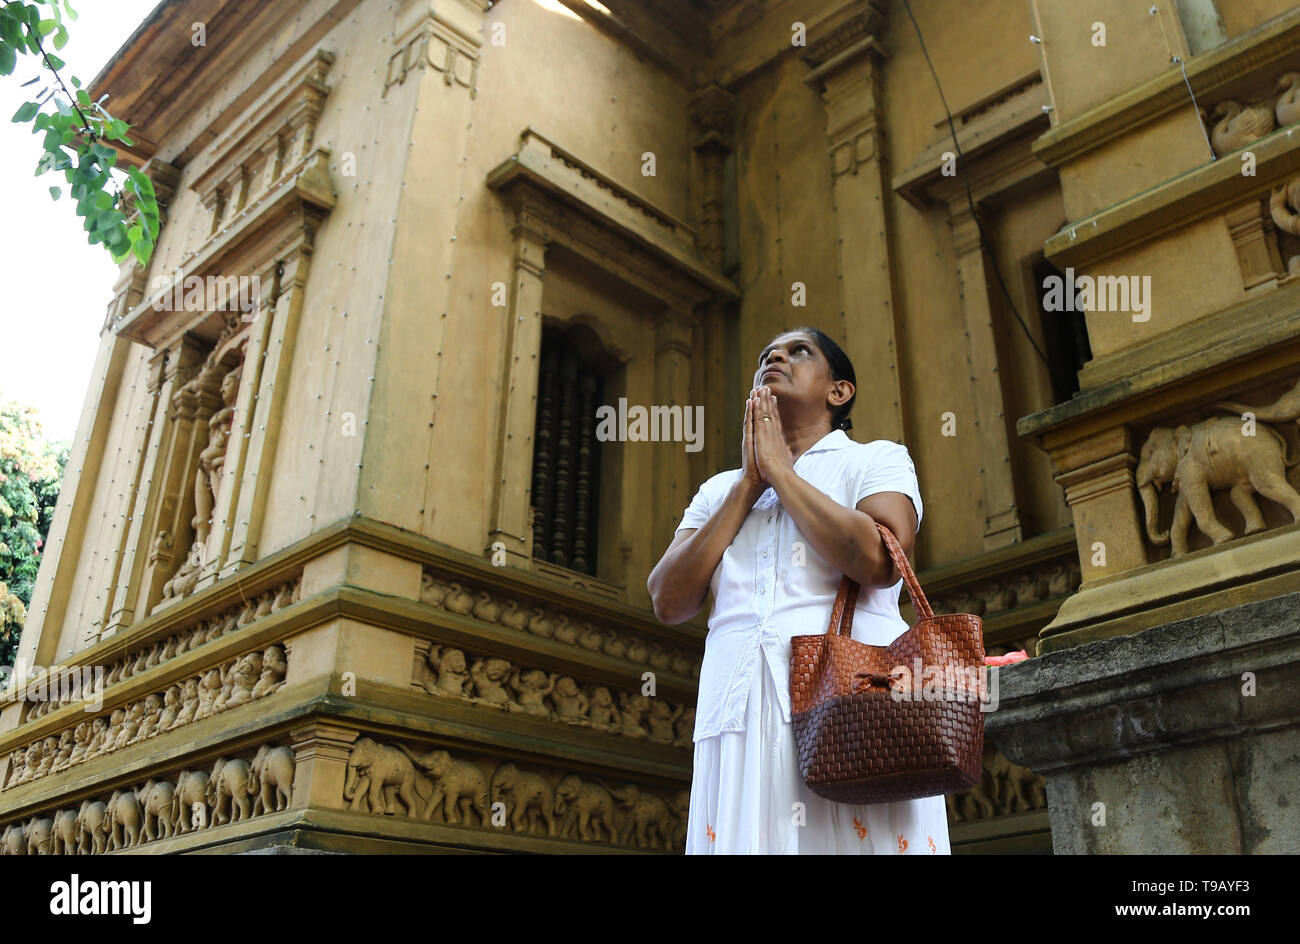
x=498 y=683
x=437 y=46
x=490 y=604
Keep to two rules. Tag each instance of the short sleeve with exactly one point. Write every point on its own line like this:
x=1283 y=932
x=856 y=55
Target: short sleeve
x=698 y=511
x=889 y=468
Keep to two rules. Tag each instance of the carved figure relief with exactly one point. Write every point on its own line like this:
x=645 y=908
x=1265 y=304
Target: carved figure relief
x=210 y=466
x=1213 y=454
x=500 y=684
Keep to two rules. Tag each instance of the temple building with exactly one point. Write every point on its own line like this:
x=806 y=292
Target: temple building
x=357 y=569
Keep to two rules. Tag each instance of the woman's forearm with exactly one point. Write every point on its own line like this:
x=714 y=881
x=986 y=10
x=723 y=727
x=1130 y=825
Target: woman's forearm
x=846 y=537
x=679 y=584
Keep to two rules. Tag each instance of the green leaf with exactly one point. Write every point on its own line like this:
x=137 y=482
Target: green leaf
x=76 y=82
x=55 y=62
x=26 y=111
x=61 y=37
x=82 y=98
x=55 y=192
x=7 y=59
x=46 y=27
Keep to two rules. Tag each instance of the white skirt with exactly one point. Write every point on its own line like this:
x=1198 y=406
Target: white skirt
x=746 y=791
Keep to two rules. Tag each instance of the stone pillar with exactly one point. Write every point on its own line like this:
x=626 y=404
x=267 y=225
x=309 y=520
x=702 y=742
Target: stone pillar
x=845 y=65
x=321 y=765
x=711 y=110
x=517 y=409
x=1180 y=739
x=1097 y=475
x=673 y=487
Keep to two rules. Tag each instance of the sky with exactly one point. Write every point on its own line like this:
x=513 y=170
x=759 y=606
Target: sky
x=56 y=286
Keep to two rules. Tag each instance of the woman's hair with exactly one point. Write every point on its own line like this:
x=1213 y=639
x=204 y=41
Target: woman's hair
x=841 y=369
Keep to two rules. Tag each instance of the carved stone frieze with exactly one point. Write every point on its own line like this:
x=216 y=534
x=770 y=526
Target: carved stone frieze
x=485 y=604
x=235 y=789
x=501 y=684
x=1004 y=788
x=237 y=681
x=183 y=641
x=392 y=779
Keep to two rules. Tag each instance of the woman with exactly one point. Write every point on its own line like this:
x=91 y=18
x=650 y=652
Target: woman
x=773 y=539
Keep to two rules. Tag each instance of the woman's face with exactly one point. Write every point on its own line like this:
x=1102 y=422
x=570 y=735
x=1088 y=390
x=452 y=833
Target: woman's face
x=793 y=367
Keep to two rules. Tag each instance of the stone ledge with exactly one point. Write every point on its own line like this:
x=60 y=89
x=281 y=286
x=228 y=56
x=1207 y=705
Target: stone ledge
x=1092 y=696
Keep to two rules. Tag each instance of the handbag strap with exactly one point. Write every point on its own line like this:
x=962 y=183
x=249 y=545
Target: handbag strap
x=846 y=599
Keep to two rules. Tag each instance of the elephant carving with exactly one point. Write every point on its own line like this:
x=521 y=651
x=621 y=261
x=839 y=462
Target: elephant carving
x=92 y=827
x=377 y=772
x=64 y=835
x=588 y=804
x=1212 y=454
x=647 y=815
x=191 y=789
x=40 y=833
x=528 y=797
x=229 y=781
x=156 y=805
x=14 y=841
x=458 y=786
x=270 y=779
x=124 y=819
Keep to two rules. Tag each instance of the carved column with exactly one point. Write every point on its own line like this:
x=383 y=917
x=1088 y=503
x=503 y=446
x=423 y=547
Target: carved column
x=517 y=407
x=983 y=415
x=173 y=475
x=266 y=381
x=845 y=65
x=673 y=486
x=1097 y=475
x=712 y=109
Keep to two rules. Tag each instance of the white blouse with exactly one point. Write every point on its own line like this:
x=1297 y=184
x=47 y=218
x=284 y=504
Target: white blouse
x=772 y=584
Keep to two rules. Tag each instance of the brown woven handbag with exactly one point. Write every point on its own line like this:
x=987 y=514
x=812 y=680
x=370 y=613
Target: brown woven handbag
x=877 y=724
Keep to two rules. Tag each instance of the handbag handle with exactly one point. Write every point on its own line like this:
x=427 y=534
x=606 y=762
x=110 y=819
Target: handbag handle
x=846 y=600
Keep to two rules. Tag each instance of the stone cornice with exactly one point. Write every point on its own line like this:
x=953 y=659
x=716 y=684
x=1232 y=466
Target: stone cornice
x=1204 y=191
x=1248 y=342
x=554 y=183
x=855 y=30
x=986 y=131
x=1218 y=73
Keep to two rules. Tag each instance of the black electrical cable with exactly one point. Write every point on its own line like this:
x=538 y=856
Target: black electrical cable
x=970 y=198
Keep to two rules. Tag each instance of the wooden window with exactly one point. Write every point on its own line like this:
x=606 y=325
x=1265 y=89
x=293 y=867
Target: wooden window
x=566 y=456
